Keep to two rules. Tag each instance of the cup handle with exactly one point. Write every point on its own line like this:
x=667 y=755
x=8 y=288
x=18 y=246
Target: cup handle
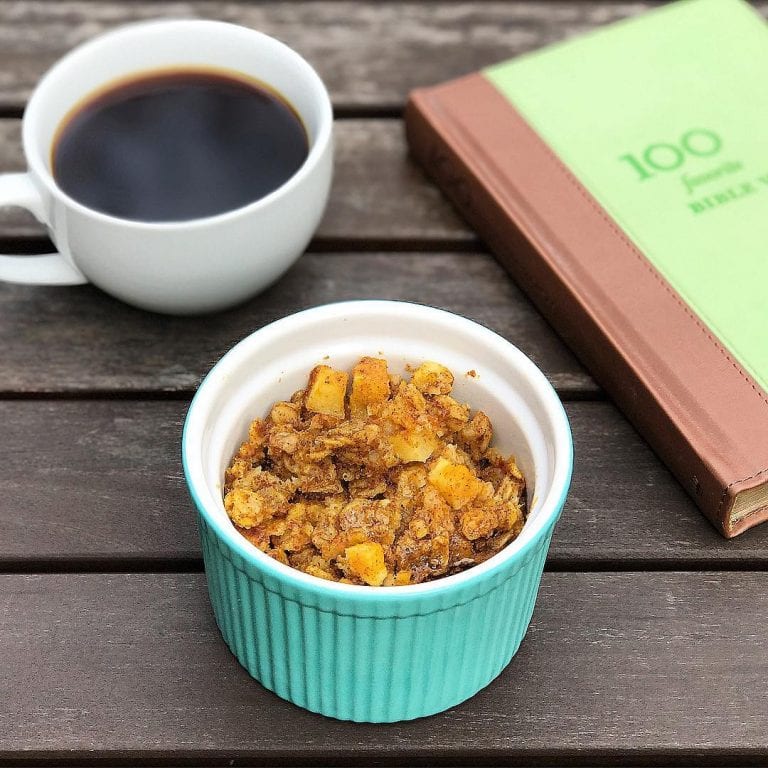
x=48 y=269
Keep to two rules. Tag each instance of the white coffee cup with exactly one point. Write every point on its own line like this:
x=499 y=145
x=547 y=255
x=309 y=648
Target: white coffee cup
x=180 y=267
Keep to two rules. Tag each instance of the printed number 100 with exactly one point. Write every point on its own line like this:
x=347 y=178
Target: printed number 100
x=668 y=157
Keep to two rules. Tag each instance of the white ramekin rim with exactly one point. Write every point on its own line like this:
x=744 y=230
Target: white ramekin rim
x=534 y=531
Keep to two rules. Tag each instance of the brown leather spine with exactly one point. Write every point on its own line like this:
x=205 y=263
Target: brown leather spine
x=697 y=407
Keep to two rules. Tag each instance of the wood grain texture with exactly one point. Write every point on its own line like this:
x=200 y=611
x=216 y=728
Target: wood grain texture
x=370 y=54
x=379 y=195
x=79 y=339
x=617 y=668
x=94 y=481
x=101 y=484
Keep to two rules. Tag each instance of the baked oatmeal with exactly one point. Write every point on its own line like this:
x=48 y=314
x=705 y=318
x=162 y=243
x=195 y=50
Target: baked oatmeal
x=375 y=479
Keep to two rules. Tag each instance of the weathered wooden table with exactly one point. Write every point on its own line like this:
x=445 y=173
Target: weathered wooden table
x=648 y=641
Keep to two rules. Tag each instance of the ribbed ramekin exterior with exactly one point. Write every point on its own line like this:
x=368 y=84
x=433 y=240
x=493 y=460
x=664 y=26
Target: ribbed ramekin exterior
x=366 y=660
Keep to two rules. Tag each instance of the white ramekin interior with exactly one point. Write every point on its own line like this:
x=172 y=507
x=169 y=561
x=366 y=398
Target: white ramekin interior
x=273 y=362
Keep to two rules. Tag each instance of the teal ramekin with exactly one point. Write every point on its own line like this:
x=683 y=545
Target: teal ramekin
x=365 y=653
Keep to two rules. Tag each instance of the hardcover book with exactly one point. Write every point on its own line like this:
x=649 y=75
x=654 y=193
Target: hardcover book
x=622 y=179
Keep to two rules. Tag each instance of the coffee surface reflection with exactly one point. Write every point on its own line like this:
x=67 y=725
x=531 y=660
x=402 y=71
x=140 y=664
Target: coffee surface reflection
x=178 y=145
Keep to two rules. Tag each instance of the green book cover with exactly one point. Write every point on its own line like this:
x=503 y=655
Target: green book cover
x=664 y=119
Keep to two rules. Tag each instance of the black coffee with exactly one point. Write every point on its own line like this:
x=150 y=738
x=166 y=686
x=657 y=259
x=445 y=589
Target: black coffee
x=173 y=146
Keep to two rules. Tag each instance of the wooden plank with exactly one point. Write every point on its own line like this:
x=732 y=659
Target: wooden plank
x=94 y=481
x=81 y=340
x=100 y=485
x=370 y=54
x=617 y=669
x=379 y=195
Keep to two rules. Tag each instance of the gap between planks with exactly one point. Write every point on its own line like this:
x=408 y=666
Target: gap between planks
x=562 y=759
x=348 y=246
x=139 y=565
